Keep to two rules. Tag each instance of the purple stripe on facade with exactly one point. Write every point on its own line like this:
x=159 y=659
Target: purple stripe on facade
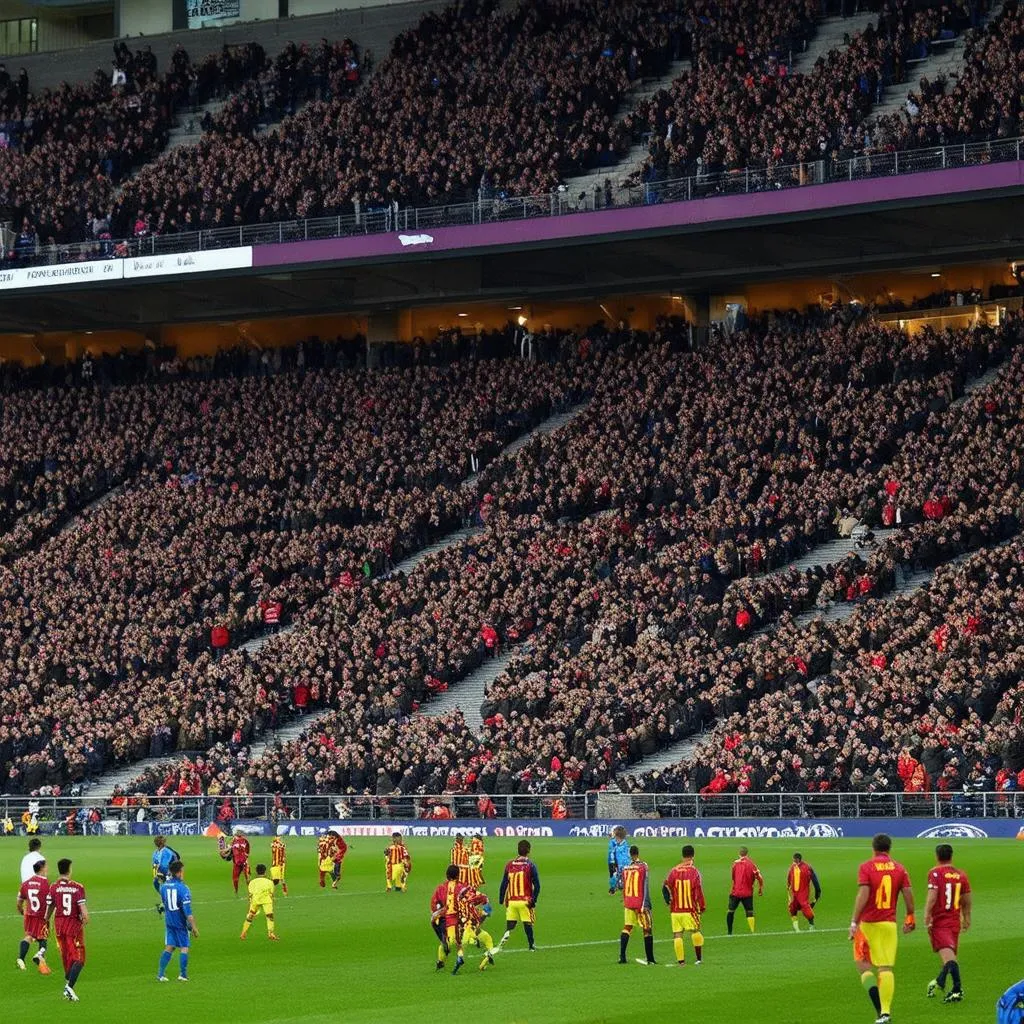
x=647 y=218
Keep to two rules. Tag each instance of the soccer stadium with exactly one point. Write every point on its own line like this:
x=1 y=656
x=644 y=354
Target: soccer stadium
x=502 y=497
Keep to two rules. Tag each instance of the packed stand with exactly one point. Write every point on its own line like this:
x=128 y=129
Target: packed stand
x=69 y=148
x=777 y=116
x=221 y=526
x=978 y=106
x=601 y=683
x=422 y=130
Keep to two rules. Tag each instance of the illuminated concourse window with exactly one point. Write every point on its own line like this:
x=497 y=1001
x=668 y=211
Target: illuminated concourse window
x=19 y=35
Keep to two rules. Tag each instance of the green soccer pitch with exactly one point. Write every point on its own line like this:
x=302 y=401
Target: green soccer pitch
x=360 y=955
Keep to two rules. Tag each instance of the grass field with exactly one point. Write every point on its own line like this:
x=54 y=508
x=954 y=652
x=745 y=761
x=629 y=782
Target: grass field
x=359 y=955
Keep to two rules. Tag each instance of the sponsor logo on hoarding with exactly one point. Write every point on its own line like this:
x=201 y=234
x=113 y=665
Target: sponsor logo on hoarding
x=62 y=273
x=172 y=264
x=953 y=830
x=416 y=239
x=817 y=830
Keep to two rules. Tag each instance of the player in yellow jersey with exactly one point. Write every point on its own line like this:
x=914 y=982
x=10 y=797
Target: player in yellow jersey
x=476 y=862
x=261 y=897
x=278 y=855
x=397 y=864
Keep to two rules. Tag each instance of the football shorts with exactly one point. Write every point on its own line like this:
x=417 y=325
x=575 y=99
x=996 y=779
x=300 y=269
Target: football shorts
x=396 y=874
x=36 y=927
x=277 y=873
x=860 y=947
x=882 y=938
x=326 y=863
x=685 y=922
x=520 y=910
x=266 y=905
x=639 y=918
x=180 y=938
x=944 y=937
x=747 y=902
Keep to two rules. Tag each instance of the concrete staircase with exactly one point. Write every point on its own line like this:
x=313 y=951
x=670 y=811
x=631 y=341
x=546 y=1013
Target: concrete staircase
x=633 y=161
x=468 y=693
x=831 y=35
x=189 y=129
x=946 y=59
x=103 y=788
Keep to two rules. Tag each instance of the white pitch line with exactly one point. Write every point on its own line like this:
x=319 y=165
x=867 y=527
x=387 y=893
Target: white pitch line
x=712 y=938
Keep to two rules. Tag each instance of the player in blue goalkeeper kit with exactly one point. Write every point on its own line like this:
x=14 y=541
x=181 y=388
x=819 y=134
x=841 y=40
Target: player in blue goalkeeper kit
x=618 y=856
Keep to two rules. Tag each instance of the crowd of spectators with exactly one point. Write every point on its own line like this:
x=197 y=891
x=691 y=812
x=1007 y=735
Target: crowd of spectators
x=629 y=558
x=422 y=129
x=743 y=105
x=68 y=148
x=979 y=105
x=347 y=472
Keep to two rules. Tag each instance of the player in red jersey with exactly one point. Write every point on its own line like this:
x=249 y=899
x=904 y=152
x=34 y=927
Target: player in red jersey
x=873 y=928
x=798 y=884
x=65 y=904
x=684 y=893
x=444 y=917
x=337 y=856
x=239 y=859
x=634 y=881
x=947 y=911
x=32 y=905
x=744 y=874
x=520 y=887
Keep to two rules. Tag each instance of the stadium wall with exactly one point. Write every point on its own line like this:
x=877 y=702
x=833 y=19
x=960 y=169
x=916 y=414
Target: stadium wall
x=703 y=828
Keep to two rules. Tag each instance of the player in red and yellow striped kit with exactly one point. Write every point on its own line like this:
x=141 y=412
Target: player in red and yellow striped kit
x=474 y=909
x=460 y=858
x=397 y=864
x=444 y=916
x=636 y=899
x=278 y=855
x=476 y=862
x=684 y=893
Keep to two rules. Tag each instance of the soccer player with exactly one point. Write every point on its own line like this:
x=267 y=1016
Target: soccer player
x=32 y=906
x=474 y=909
x=744 y=874
x=325 y=857
x=179 y=924
x=34 y=855
x=337 y=856
x=163 y=855
x=636 y=901
x=278 y=856
x=397 y=864
x=947 y=911
x=873 y=928
x=261 y=897
x=683 y=891
x=618 y=857
x=239 y=859
x=460 y=858
x=520 y=888
x=65 y=904
x=798 y=884
x=476 y=861
x=444 y=917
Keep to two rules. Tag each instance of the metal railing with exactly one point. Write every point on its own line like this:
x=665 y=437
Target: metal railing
x=490 y=209
x=52 y=814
